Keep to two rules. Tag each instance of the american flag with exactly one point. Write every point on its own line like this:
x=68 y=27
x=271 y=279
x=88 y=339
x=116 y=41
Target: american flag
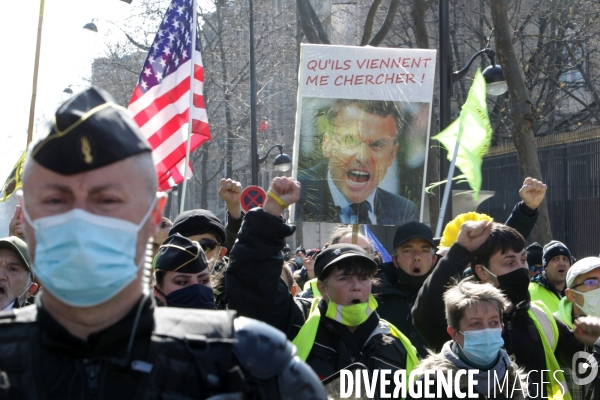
x=161 y=100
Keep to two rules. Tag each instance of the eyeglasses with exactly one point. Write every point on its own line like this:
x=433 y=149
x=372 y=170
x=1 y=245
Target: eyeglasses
x=209 y=244
x=590 y=282
x=533 y=268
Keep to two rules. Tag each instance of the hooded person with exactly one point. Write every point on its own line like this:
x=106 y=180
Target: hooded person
x=549 y=286
x=182 y=277
x=343 y=326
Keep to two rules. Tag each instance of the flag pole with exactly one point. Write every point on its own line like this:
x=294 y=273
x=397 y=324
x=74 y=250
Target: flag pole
x=189 y=138
x=35 y=74
x=438 y=228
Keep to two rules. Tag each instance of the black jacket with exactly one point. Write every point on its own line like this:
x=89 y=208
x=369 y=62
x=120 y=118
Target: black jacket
x=521 y=338
x=151 y=353
x=255 y=289
x=395 y=304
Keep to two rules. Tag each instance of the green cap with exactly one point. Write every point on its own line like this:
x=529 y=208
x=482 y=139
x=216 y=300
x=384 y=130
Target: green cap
x=19 y=247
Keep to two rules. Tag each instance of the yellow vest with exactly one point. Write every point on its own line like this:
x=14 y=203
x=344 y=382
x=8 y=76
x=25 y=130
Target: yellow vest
x=312 y=284
x=540 y=293
x=546 y=325
x=306 y=338
x=565 y=312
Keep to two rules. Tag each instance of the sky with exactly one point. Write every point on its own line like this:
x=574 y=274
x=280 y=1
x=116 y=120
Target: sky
x=67 y=51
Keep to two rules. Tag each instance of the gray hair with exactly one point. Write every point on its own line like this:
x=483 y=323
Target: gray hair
x=343 y=230
x=467 y=294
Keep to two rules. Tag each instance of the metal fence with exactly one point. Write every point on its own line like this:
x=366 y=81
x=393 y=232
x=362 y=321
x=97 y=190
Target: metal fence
x=572 y=172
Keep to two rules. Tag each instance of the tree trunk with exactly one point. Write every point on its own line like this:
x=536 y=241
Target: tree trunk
x=419 y=7
x=522 y=112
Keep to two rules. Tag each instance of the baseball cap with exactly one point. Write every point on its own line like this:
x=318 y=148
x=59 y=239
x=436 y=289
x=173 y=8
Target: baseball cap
x=19 y=247
x=582 y=266
x=410 y=230
x=338 y=252
x=196 y=222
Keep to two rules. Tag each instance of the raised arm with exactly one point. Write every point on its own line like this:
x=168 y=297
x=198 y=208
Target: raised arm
x=254 y=285
x=428 y=312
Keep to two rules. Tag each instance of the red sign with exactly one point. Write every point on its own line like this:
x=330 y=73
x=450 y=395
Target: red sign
x=252 y=196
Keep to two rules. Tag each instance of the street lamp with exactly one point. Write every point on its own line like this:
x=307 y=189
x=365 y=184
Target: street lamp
x=282 y=163
x=91 y=26
x=493 y=75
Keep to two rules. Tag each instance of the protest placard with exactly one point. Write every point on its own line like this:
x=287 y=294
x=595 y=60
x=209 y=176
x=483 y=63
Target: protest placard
x=362 y=128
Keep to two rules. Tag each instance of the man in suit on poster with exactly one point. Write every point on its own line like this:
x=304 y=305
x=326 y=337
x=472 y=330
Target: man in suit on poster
x=360 y=144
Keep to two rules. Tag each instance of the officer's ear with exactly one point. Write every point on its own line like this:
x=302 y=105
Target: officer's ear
x=157 y=211
x=159 y=296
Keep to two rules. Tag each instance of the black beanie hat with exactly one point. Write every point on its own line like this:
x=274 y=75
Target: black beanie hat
x=553 y=249
x=534 y=254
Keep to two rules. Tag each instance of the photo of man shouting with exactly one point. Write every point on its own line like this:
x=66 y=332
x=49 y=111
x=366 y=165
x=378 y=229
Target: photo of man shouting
x=360 y=141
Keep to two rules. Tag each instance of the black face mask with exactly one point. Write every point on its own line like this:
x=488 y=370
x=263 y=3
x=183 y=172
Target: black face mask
x=515 y=285
x=192 y=296
x=410 y=282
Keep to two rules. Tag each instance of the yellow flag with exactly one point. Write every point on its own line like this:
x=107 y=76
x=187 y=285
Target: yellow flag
x=13 y=182
x=473 y=131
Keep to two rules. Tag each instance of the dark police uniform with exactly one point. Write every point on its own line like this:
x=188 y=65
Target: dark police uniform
x=151 y=353
x=170 y=353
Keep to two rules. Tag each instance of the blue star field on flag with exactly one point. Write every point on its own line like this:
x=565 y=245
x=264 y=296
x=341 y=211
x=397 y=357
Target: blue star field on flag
x=172 y=45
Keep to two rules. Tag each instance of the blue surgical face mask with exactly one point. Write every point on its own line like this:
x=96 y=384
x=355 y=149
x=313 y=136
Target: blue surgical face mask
x=299 y=261
x=85 y=259
x=192 y=296
x=482 y=346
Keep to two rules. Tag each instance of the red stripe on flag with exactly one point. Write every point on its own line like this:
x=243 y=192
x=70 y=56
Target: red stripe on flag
x=168 y=129
x=178 y=154
x=166 y=109
x=199 y=73
x=199 y=101
x=161 y=102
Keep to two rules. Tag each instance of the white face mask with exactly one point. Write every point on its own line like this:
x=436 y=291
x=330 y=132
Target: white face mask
x=84 y=259
x=591 y=304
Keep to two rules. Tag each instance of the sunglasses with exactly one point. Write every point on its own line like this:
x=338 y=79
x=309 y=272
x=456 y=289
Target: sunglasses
x=209 y=244
x=533 y=268
x=590 y=282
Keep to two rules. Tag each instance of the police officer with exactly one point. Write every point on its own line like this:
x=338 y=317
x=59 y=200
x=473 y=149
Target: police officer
x=90 y=204
x=182 y=277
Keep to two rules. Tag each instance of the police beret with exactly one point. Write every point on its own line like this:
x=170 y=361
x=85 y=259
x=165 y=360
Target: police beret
x=197 y=222
x=89 y=131
x=181 y=254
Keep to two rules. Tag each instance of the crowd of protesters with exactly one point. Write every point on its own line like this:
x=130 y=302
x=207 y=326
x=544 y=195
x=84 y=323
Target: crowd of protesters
x=102 y=297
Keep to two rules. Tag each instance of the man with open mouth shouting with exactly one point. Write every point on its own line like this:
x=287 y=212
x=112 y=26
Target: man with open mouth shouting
x=360 y=143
